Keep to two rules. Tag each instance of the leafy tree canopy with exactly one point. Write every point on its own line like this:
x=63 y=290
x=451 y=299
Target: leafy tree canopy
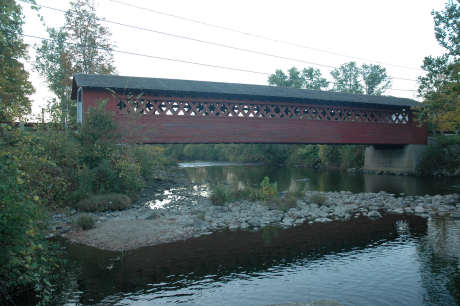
x=439 y=86
x=349 y=77
x=308 y=78
x=367 y=79
x=81 y=45
x=15 y=87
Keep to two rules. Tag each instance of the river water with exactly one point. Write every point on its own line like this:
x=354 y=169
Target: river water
x=395 y=260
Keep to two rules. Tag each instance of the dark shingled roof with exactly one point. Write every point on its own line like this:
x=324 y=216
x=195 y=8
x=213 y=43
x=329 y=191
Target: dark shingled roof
x=188 y=87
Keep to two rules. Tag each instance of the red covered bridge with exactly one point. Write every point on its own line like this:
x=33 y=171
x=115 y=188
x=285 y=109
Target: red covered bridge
x=152 y=110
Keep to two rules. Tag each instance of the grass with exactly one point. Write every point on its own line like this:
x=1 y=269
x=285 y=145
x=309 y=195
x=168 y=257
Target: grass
x=85 y=222
x=267 y=193
x=104 y=202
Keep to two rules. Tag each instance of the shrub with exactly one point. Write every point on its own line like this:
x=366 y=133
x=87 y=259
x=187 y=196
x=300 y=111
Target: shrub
x=149 y=158
x=329 y=155
x=104 y=202
x=440 y=159
x=27 y=259
x=351 y=156
x=104 y=178
x=86 y=222
x=129 y=178
x=268 y=191
x=318 y=198
x=306 y=155
x=97 y=135
x=219 y=194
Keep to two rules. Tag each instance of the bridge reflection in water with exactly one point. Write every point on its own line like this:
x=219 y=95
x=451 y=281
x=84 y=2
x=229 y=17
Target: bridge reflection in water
x=179 y=271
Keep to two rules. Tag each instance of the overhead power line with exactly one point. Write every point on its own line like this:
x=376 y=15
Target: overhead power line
x=181 y=60
x=215 y=43
x=260 y=36
x=164 y=58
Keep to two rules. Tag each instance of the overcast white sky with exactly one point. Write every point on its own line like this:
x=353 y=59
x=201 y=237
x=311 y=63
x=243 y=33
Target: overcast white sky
x=398 y=32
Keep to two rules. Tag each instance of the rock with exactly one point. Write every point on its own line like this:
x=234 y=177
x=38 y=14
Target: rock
x=373 y=214
x=419 y=210
x=287 y=221
x=340 y=211
x=322 y=220
x=244 y=225
x=408 y=210
x=233 y=226
x=299 y=221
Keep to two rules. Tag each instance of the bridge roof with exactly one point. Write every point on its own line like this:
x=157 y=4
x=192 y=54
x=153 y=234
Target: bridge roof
x=189 y=87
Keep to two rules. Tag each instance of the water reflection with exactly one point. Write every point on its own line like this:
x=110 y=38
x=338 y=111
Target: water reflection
x=173 y=196
x=322 y=180
x=396 y=260
x=439 y=255
x=181 y=271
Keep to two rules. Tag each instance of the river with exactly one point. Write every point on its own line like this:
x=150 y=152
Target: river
x=395 y=260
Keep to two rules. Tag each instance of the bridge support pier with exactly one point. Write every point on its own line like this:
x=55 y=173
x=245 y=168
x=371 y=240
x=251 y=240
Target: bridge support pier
x=401 y=159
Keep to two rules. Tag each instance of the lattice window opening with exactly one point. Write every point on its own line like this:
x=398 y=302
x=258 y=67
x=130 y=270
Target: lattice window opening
x=242 y=110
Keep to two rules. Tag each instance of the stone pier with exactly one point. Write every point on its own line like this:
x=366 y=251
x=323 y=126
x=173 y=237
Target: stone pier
x=402 y=159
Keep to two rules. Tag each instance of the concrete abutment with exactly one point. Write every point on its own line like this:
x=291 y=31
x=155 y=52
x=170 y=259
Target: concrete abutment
x=402 y=159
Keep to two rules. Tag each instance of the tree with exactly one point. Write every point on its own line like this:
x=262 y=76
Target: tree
x=54 y=63
x=367 y=79
x=81 y=45
x=375 y=79
x=346 y=78
x=308 y=78
x=313 y=79
x=447 y=27
x=439 y=86
x=15 y=87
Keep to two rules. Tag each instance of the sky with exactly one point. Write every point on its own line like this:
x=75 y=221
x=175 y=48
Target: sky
x=392 y=33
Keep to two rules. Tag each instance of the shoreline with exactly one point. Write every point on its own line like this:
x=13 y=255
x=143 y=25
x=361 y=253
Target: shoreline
x=191 y=215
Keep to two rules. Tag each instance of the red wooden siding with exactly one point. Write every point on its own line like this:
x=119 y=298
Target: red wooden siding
x=155 y=119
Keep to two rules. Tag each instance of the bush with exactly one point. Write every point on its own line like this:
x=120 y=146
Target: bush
x=448 y=140
x=129 y=178
x=86 y=222
x=318 y=198
x=97 y=135
x=104 y=202
x=149 y=158
x=351 y=156
x=306 y=155
x=27 y=260
x=219 y=195
x=329 y=155
x=440 y=159
x=268 y=191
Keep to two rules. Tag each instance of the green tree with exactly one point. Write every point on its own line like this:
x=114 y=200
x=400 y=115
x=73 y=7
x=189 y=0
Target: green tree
x=54 y=63
x=367 y=79
x=346 y=78
x=81 y=45
x=439 y=86
x=375 y=79
x=15 y=87
x=308 y=78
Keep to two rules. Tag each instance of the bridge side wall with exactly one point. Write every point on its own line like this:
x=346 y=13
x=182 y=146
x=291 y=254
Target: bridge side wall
x=188 y=120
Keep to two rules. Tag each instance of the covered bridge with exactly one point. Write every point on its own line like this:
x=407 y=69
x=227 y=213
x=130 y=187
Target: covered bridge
x=154 y=110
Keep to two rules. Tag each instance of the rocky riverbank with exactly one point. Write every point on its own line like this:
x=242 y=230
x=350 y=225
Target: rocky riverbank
x=184 y=212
